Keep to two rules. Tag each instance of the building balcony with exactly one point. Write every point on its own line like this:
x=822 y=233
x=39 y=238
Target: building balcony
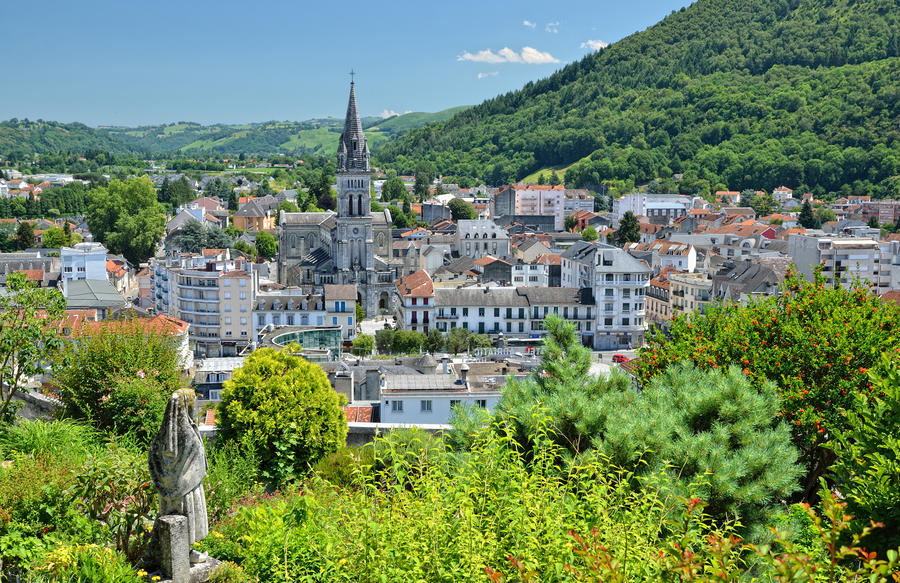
x=197 y=311
x=197 y=285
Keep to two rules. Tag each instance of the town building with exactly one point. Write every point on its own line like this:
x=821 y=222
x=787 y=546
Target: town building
x=415 y=302
x=83 y=261
x=479 y=237
x=843 y=260
x=618 y=283
x=531 y=200
x=689 y=292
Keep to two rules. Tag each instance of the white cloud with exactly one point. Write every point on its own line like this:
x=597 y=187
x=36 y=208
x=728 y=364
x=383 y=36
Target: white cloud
x=488 y=74
x=552 y=27
x=529 y=24
x=594 y=45
x=529 y=55
x=387 y=113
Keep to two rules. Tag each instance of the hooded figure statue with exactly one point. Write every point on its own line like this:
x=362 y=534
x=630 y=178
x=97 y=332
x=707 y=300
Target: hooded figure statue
x=178 y=465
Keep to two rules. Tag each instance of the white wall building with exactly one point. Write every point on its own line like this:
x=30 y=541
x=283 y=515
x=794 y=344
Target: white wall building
x=83 y=261
x=429 y=399
x=530 y=275
x=619 y=284
x=479 y=237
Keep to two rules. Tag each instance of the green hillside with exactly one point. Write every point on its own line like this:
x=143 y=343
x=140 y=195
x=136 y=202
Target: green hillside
x=737 y=93
x=318 y=136
x=19 y=139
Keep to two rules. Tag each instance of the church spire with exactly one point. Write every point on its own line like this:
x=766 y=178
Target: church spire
x=353 y=151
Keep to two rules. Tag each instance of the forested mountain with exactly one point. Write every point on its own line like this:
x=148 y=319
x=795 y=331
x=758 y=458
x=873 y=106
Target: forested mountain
x=21 y=139
x=736 y=93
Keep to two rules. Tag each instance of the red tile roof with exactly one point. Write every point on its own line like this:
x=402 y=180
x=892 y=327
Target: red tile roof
x=359 y=414
x=416 y=285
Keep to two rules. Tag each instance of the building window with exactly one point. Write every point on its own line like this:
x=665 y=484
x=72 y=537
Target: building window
x=349 y=321
x=496 y=312
x=481 y=403
x=214 y=395
x=607 y=322
x=226 y=283
x=425 y=405
x=481 y=312
x=396 y=406
x=243 y=295
x=243 y=283
x=465 y=312
x=454 y=403
x=625 y=322
x=227 y=307
x=334 y=321
x=228 y=295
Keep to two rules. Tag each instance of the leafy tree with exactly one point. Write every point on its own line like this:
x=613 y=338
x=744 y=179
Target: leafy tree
x=119 y=376
x=28 y=333
x=460 y=209
x=217 y=238
x=233 y=232
x=873 y=222
x=816 y=343
x=457 y=340
x=589 y=234
x=477 y=341
x=424 y=178
x=127 y=218
x=25 y=235
x=434 y=341
x=570 y=223
x=384 y=340
x=393 y=189
x=320 y=191
x=363 y=344
x=867 y=467
x=407 y=342
x=629 y=230
x=266 y=244
x=288 y=207
x=284 y=409
x=191 y=237
x=54 y=238
x=824 y=215
x=764 y=204
x=247 y=249
x=807 y=219
x=554 y=179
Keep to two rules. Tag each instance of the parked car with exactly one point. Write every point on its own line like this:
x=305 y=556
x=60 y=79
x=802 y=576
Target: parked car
x=620 y=358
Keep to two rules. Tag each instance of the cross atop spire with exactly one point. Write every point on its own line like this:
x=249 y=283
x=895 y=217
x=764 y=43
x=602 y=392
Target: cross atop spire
x=353 y=151
x=352 y=75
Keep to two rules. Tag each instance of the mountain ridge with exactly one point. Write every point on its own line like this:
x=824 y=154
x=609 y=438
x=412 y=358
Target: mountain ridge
x=652 y=104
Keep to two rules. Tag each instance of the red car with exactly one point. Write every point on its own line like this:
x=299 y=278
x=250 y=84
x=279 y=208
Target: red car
x=620 y=358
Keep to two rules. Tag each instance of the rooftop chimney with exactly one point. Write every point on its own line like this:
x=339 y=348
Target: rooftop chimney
x=464 y=373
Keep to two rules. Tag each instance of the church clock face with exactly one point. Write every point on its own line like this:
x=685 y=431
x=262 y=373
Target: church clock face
x=356 y=230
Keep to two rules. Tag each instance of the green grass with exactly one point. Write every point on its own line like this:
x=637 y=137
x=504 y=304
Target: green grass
x=558 y=170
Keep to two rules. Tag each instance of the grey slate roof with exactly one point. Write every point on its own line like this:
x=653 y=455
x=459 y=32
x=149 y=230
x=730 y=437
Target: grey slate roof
x=306 y=218
x=92 y=293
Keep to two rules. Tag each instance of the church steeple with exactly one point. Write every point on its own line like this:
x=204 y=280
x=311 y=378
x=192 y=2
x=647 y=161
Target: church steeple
x=353 y=151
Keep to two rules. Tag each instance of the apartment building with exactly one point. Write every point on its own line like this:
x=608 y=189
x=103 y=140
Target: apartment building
x=217 y=302
x=530 y=274
x=415 y=302
x=845 y=259
x=619 y=285
x=689 y=292
x=513 y=312
x=659 y=307
x=656 y=207
x=531 y=200
x=287 y=307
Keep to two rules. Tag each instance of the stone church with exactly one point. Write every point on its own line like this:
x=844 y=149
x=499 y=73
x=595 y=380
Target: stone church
x=351 y=246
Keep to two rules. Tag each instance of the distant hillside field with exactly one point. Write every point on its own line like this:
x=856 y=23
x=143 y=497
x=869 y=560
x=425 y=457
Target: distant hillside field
x=736 y=93
x=318 y=136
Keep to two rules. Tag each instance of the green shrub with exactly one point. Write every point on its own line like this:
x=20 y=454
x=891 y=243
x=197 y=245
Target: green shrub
x=85 y=564
x=345 y=466
x=113 y=488
x=119 y=377
x=229 y=572
x=233 y=474
x=284 y=409
x=63 y=439
x=712 y=431
x=867 y=467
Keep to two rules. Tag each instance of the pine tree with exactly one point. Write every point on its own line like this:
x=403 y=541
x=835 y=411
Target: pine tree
x=629 y=230
x=807 y=219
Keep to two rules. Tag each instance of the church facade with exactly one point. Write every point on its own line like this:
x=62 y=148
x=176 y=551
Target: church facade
x=350 y=246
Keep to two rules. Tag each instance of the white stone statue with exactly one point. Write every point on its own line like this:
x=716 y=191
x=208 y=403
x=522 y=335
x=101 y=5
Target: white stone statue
x=178 y=465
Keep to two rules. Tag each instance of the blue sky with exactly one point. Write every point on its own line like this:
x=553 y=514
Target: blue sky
x=121 y=62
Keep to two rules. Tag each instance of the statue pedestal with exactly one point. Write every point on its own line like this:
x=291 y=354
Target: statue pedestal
x=174 y=553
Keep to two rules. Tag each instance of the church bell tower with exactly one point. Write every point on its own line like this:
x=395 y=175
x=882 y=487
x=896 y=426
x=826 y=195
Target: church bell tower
x=353 y=243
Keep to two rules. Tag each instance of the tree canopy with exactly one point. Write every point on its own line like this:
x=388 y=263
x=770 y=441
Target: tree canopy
x=126 y=217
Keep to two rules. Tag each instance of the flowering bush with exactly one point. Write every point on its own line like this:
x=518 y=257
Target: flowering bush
x=816 y=343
